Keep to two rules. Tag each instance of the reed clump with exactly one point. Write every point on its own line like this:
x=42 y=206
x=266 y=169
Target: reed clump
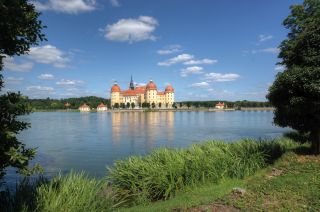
x=159 y=175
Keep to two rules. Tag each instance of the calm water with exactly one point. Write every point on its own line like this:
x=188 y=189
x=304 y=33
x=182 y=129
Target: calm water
x=92 y=141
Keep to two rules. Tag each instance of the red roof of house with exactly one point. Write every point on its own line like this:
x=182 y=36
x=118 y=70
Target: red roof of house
x=101 y=105
x=137 y=90
x=160 y=93
x=84 y=106
x=220 y=104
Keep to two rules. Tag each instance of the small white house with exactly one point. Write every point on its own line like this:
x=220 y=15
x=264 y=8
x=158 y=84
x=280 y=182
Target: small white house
x=102 y=107
x=84 y=108
x=220 y=105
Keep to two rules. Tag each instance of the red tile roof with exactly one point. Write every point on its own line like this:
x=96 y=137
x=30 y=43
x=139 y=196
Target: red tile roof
x=220 y=104
x=101 y=105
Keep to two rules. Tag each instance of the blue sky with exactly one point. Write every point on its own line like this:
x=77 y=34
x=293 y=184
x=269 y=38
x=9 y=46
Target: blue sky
x=207 y=49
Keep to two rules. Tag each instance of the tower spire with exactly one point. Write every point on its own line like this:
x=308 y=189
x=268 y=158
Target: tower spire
x=131 y=84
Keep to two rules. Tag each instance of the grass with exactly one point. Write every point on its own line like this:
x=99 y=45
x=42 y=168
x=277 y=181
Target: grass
x=191 y=197
x=297 y=188
x=164 y=172
x=73 y=192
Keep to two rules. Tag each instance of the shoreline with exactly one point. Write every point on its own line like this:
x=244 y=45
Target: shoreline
x=164 y=110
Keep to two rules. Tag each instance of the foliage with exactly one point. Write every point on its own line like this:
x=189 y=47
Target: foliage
x=56 y=104
x=73 y=192
x=19 y=30
x=295 y=92
x=166 y=171
x=229 y=104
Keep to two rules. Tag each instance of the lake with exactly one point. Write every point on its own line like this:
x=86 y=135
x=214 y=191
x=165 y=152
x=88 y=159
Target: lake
x=93 y=141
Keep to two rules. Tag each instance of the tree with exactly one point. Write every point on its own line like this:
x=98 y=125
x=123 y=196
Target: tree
x=153 y=105
x=180 y=104
x=188 y=105
x=128 y=105
x=19 y=29
x=159 y=104
x=116 y=105
x=295 y=93
x=133 y=105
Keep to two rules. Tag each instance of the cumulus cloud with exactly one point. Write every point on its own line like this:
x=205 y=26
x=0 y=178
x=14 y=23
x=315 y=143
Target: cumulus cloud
x=10 y=64
x=200 y=85
x=169 y=50
x=132 y=30
x=39 y=88
x=263 y=38
x=178 y=59
x=270 y=50
x=115 y=3
x=48 y=54
x=191 y=70
x=14 y=80
x=219 y=77
x=198 y=62
x=46 y=77
x=66 y=82
x=67 y=6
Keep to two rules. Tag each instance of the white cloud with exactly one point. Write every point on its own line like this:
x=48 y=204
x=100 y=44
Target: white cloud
x=280 y=68
x=115 y=3
x=9 y=64
x=219 y=77
x=270 y=50
x=46 y=77
x=191 y=70
x=67 y=6
x=203 y=61
x=200 y=85
x=48 y=54
x=65 y=82
x=132 y=30
x=178 y=59
x=169 y=50
x=38 y=88
x=263 y=38
x=14 y=80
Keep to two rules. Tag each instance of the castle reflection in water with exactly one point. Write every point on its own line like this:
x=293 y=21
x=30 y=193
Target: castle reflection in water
x=148 y=125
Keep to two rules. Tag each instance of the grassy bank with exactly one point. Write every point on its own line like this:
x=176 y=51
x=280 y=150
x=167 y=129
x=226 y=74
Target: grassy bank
x=167 y=179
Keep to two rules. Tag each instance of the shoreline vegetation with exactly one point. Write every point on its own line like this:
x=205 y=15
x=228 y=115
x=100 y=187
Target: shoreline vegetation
x=160 y=110
x=212 y=173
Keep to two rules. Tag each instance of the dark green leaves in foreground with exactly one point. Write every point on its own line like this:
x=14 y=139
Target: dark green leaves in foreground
x=295 y=93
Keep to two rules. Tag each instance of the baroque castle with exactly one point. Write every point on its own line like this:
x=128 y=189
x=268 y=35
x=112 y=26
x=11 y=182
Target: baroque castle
x=139 y=95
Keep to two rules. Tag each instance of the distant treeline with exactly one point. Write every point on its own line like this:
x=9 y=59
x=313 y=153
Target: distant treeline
x=93 y=102
x=74 y=103
x=228 y=104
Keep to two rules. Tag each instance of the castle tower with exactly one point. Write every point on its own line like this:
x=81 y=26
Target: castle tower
x=151 y=93
x=115 y=94
x=169 y=95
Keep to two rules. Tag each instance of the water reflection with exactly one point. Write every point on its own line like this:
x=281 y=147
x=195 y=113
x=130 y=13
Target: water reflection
x=132 y=126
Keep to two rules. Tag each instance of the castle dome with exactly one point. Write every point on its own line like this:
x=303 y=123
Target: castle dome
x=169 y=89
x=151 y=86
x=115 y=88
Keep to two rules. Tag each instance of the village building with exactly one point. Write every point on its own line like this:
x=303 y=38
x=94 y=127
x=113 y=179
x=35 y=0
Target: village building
x=220 y=105
x=138 y=95
x=102 y=107
x=84 y=108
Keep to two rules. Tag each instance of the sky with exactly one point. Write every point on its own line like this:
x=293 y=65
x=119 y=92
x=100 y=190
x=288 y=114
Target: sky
x=206 y=49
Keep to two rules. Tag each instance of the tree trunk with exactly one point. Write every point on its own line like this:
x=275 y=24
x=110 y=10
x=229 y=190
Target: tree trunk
x=315 y=139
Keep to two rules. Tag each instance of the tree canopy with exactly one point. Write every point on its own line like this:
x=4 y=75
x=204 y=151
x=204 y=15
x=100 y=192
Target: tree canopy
x=295 y=93
x=19 y=30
